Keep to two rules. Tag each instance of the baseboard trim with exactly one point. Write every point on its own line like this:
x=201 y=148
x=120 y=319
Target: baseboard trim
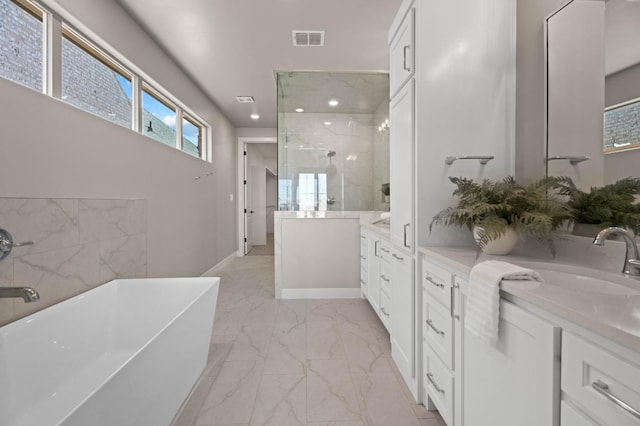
x=211 y=272
x=320 y=293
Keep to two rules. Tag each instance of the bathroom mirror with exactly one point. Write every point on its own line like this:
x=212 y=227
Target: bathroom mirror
x=593 y=65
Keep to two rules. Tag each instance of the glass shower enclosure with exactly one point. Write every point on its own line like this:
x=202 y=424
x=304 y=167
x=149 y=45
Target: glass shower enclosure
x=333 y=141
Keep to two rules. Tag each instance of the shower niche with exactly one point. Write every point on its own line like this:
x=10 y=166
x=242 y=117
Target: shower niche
x=333 y=141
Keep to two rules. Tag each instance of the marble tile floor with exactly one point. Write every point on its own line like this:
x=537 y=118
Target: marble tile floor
x=296 y=362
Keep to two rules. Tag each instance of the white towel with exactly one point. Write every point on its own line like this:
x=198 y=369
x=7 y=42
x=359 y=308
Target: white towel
x=483 y=297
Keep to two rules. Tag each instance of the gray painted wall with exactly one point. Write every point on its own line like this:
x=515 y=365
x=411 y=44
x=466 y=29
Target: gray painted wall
x=530 y=87
x=50 y=149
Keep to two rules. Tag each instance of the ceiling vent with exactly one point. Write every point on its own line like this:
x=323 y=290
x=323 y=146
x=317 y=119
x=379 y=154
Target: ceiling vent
x=307 y=38
x=245 y=99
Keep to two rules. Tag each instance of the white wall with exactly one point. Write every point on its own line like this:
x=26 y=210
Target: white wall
x=50 y=149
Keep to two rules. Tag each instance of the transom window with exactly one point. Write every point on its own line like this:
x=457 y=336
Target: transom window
x=91 y=79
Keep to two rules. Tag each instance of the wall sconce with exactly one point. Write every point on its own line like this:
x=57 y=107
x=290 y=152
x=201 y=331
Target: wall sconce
x=384 y=127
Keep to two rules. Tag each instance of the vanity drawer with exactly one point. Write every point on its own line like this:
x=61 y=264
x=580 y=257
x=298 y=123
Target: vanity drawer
x=385 y=310
x=590 y=373
x=437 y=282
x=438 y=383
x=437 y=329
x=385 y=276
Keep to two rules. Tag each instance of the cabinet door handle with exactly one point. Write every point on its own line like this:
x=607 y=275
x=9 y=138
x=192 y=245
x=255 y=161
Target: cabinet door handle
x=452 y=300
x=395 y=256
x=434 y=384
x=405 y=235
x=404 y=60
x=433 y=327
x=437 y=284
x=375 y=248
x=384 y=312
x=602 y=388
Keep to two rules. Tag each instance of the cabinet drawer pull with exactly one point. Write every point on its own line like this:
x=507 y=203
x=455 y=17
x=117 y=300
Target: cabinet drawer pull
x=363 y=257
x=363 y=237
x=385 y=279
x=434 y=384
x=433 y=327
x=384 y=312
x=602 y=388
x=395 y=256
x=437 y=284
x=384 y=249
x=405 y=235
x=404 y=59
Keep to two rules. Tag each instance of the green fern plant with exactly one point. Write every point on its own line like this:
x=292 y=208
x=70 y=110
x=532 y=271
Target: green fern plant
x=610 y=205
x=531 y=210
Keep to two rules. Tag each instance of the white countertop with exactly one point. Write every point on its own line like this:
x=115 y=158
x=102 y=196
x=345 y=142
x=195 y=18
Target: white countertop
x=613 y=316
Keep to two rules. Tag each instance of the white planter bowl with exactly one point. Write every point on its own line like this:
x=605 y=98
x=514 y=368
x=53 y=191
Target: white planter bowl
x=500 y=246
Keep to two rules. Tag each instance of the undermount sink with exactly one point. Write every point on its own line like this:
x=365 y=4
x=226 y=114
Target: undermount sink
x=575 y=278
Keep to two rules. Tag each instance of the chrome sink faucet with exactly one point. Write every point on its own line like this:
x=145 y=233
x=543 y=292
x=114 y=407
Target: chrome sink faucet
x=632 y=258
x=27 y=293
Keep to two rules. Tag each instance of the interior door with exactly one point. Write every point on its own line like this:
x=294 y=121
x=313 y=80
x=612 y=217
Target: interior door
x=248 y=204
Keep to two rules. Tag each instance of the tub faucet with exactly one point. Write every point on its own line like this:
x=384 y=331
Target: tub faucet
x=632 y=259
x=27 y=293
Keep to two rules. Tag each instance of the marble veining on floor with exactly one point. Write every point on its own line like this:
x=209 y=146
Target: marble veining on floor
x=296 y=362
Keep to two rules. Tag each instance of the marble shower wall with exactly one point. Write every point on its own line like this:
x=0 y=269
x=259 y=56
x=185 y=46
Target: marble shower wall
x=380 y=157
x=349 y=172
x=78 y=244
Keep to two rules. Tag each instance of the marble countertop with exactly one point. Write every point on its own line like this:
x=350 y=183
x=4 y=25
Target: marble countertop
x=613 y=315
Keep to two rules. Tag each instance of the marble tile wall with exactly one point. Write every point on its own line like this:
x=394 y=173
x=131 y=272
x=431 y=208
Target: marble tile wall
x=78 y=244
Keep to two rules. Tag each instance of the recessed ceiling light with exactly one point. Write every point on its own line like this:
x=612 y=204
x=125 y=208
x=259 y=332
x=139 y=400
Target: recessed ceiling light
x=299 y=110
x=255 y=116
x=245 y=99
x=327 y=123
x=333 y=102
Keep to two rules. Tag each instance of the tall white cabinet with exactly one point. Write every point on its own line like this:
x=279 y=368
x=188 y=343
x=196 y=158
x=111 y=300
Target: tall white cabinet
x=452 y=96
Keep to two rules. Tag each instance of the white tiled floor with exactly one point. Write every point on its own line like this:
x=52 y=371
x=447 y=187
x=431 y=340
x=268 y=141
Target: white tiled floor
x=296 y=362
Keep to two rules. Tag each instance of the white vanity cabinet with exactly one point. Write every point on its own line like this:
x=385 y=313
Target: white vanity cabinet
x=373 y=270
x=515 y=381
x=599 y=386
x=403 y=314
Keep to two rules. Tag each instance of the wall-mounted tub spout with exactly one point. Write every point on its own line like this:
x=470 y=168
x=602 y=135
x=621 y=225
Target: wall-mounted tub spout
x=26 y=293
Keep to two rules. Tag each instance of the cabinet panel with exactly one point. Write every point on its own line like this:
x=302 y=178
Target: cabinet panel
x=513 y=383
x=401 y=166
x=401 y=53
x=402 y=321
x=570 y=416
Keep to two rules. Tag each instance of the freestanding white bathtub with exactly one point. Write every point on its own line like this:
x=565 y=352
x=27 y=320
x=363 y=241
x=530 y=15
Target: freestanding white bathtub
x=125 y=353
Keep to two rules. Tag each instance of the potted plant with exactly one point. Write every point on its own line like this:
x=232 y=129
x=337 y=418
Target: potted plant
x=610 y=205
x=497 y=212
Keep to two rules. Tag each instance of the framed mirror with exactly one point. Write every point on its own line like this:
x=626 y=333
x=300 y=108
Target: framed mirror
x=593 y=91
